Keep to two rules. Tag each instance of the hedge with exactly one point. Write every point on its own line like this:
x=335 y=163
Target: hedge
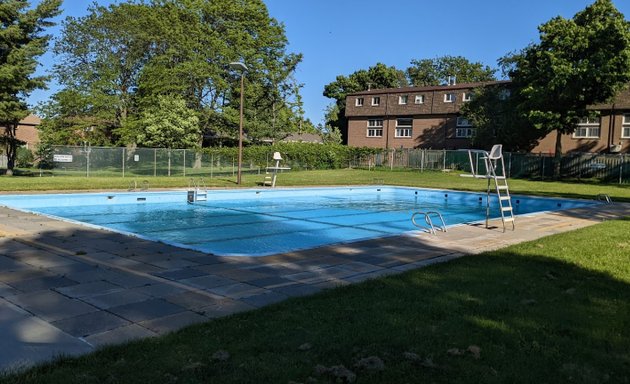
x=297 y=155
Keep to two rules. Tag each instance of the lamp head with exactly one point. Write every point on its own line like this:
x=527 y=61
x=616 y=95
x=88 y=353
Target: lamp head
x=239 y=66
x=276 y=156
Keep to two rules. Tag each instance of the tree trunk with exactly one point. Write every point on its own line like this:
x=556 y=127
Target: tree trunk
x=557 y=160
x=198 y=155
x=11 y=147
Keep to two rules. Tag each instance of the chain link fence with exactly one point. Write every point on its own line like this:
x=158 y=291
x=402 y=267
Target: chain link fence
x=607 y=167
x=147 y=162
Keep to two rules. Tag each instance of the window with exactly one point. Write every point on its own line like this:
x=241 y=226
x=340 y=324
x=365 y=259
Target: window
x=403 y=127
x=359 y=102
x=403 y=99
x=588 y=127
x=449 y=97
x=504 y=94
x=463 y=122
x=466 y=96
x=376 y=100
x=625 y=130
x=419 y=99
x=375 y=128
x=464 y=132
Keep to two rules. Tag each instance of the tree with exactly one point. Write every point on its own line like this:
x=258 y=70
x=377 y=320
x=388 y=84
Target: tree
x=21 y=42
x=145 y=49
x=493 y=114
x=578 y=62
x=100 y=60
x=427 y=72
x=378 y=76
x=167 y=124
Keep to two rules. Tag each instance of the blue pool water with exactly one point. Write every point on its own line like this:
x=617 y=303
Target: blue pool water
x=265 y=222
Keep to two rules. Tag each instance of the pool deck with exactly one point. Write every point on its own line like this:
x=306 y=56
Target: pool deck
x=68 y=289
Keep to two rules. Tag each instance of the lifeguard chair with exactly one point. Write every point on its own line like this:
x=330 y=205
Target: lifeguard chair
x=494 y=170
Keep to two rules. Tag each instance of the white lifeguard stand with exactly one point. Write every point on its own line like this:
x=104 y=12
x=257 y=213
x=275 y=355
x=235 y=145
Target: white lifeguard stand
x=270 y=178
x=494 y=170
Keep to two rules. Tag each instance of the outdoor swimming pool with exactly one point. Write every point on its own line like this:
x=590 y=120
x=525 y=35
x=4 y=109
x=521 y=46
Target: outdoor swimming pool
x=269 y=221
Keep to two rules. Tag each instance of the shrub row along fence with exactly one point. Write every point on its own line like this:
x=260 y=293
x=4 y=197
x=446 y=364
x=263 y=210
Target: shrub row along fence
x=222 y=162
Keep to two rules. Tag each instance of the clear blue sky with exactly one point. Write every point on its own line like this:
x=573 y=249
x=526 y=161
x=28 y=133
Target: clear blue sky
x=338 y=37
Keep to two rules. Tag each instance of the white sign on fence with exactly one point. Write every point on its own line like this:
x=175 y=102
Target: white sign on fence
x=62 y=158
x=136 y=157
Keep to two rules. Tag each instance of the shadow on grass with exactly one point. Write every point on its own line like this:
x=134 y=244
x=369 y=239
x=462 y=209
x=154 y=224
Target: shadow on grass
x=532 y=311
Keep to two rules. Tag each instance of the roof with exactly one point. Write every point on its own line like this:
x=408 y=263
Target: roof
x=429 y=88
x=303 y=137
x=31 y=120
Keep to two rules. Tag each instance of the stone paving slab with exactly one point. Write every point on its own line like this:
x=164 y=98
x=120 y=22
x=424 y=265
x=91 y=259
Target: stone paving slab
x=50 y=305
x=39 y=283
x=90 y=323
x=76 y=288
x=174 y=322
x=27 y=339
x=146 y=310
x=119 y=335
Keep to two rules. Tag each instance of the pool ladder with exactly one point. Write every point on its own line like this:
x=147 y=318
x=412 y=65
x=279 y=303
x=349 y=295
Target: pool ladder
x=133 y=186
x=431 y=228
x=604 y=198
x=197 y=190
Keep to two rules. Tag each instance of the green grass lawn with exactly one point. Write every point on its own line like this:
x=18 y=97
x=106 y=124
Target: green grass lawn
x=583 y=189
x=555 y=310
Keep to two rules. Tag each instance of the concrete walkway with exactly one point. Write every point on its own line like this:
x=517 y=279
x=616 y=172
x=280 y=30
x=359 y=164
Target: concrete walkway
x=68 y=289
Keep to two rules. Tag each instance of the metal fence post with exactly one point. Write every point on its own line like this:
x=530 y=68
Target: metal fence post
x=184 y=162
x=154 y=162
x=444 y=159
x=621 y=161
x=423 y=153
x=123 y=162
x=391 y=159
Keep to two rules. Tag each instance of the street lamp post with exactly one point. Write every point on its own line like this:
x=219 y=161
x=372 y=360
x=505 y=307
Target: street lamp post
x=241 y=67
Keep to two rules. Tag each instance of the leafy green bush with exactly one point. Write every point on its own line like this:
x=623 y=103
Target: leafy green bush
x=24 y=158
x=296 y=155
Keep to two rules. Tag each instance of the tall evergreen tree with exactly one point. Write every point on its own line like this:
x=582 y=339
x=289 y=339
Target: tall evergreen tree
x=22 y=41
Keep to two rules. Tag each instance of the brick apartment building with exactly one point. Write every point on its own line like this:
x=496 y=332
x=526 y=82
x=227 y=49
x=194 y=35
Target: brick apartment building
x=27 y=131
x=429 y=117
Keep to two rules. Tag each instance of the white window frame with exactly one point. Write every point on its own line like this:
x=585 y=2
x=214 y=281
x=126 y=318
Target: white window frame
x=374 y=129
x=403 y=99
x=449 y=97
x=376 y=101
x=404 y=130
x=464 y=132
x=466 y=96
x=588 y=125
x=419 y=99
x=625 y=126
x=463 y=122
x=358 y=102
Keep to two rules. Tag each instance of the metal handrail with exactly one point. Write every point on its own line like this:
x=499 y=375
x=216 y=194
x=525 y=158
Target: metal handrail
x=427 y=218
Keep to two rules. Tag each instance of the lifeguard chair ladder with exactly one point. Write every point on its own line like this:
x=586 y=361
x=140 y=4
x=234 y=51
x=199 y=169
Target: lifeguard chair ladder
x=495 y=171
